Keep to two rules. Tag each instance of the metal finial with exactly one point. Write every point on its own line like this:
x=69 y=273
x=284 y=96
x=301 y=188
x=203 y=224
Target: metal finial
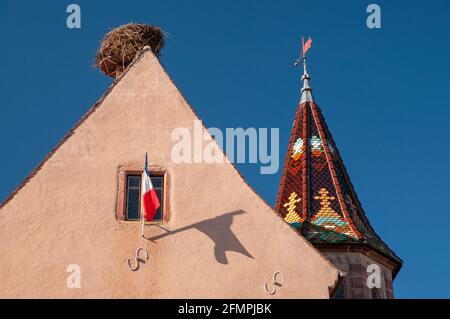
x=306 y=89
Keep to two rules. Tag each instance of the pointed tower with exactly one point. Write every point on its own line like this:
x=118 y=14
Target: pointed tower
x=317 y=198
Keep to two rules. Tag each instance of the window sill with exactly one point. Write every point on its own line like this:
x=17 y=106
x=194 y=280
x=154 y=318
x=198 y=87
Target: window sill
x=155 y=222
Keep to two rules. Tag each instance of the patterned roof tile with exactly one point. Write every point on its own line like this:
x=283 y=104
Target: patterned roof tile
x=316 y=196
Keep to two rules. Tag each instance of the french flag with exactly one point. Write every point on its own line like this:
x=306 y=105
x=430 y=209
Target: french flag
x=149 y=196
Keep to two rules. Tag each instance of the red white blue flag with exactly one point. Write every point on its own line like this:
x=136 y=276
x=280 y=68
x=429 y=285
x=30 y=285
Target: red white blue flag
x=149 y=196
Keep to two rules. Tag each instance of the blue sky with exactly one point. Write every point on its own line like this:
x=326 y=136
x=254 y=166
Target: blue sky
x=384 y=93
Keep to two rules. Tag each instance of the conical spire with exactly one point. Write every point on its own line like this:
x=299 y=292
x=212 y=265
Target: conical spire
x=316 y=196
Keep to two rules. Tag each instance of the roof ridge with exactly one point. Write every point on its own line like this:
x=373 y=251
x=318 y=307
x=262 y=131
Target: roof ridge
x=99 y=102
x=307 y=242
x=86 y=115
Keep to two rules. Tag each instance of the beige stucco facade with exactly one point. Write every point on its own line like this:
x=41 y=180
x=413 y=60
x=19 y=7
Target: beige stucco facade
x=224 y=240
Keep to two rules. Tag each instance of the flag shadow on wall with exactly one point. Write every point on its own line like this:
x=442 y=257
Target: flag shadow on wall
x=218 y=229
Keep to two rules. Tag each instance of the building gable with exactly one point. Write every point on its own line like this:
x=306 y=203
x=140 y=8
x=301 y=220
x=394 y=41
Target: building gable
x=221 y=240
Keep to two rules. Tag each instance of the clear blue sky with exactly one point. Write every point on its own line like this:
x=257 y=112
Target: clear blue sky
x=384 y=93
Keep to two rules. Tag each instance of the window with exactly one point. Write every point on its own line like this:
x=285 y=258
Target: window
x=377 y=293
x=130 y=194
x=340 y=291
x=133 y=197
x=133 y=200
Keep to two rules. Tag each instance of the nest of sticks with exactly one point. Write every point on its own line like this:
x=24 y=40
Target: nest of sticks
x=120 y=46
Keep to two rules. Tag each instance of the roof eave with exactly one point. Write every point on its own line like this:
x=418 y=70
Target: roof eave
x=362 y=247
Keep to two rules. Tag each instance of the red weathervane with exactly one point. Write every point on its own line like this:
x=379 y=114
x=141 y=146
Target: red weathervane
x=305 y=47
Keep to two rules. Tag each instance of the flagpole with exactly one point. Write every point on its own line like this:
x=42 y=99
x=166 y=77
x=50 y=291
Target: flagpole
x=142 y=199
x=142 y=228
x=303 y=47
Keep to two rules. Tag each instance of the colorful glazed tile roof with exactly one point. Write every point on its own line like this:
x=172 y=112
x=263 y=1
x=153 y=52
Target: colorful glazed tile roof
x=316 y=196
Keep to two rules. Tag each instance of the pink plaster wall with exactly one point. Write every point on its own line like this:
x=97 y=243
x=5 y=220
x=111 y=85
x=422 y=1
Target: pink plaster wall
x=66 y=214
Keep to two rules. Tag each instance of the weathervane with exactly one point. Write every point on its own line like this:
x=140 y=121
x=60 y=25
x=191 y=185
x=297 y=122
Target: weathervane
x=305 y=47
x=306 y=90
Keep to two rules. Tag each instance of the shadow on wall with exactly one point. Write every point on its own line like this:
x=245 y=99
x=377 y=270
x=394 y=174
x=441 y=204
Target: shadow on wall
x=218 y=229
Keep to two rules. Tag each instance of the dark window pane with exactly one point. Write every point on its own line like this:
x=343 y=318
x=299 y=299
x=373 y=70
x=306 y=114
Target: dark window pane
x=134 y=181
x=133 y=198
x=377 y=293
x=340 y=292
x=157 y=181
x=158 y=215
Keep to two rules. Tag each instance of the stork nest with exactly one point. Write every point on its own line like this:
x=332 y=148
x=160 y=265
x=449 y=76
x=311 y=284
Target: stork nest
x=120 y=46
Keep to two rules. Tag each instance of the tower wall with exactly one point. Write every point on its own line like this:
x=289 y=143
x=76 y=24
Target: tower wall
x=354 y=266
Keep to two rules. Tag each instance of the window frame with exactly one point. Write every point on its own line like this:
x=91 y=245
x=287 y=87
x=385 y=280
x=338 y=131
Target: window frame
x=121 y=203
x=126 y=199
